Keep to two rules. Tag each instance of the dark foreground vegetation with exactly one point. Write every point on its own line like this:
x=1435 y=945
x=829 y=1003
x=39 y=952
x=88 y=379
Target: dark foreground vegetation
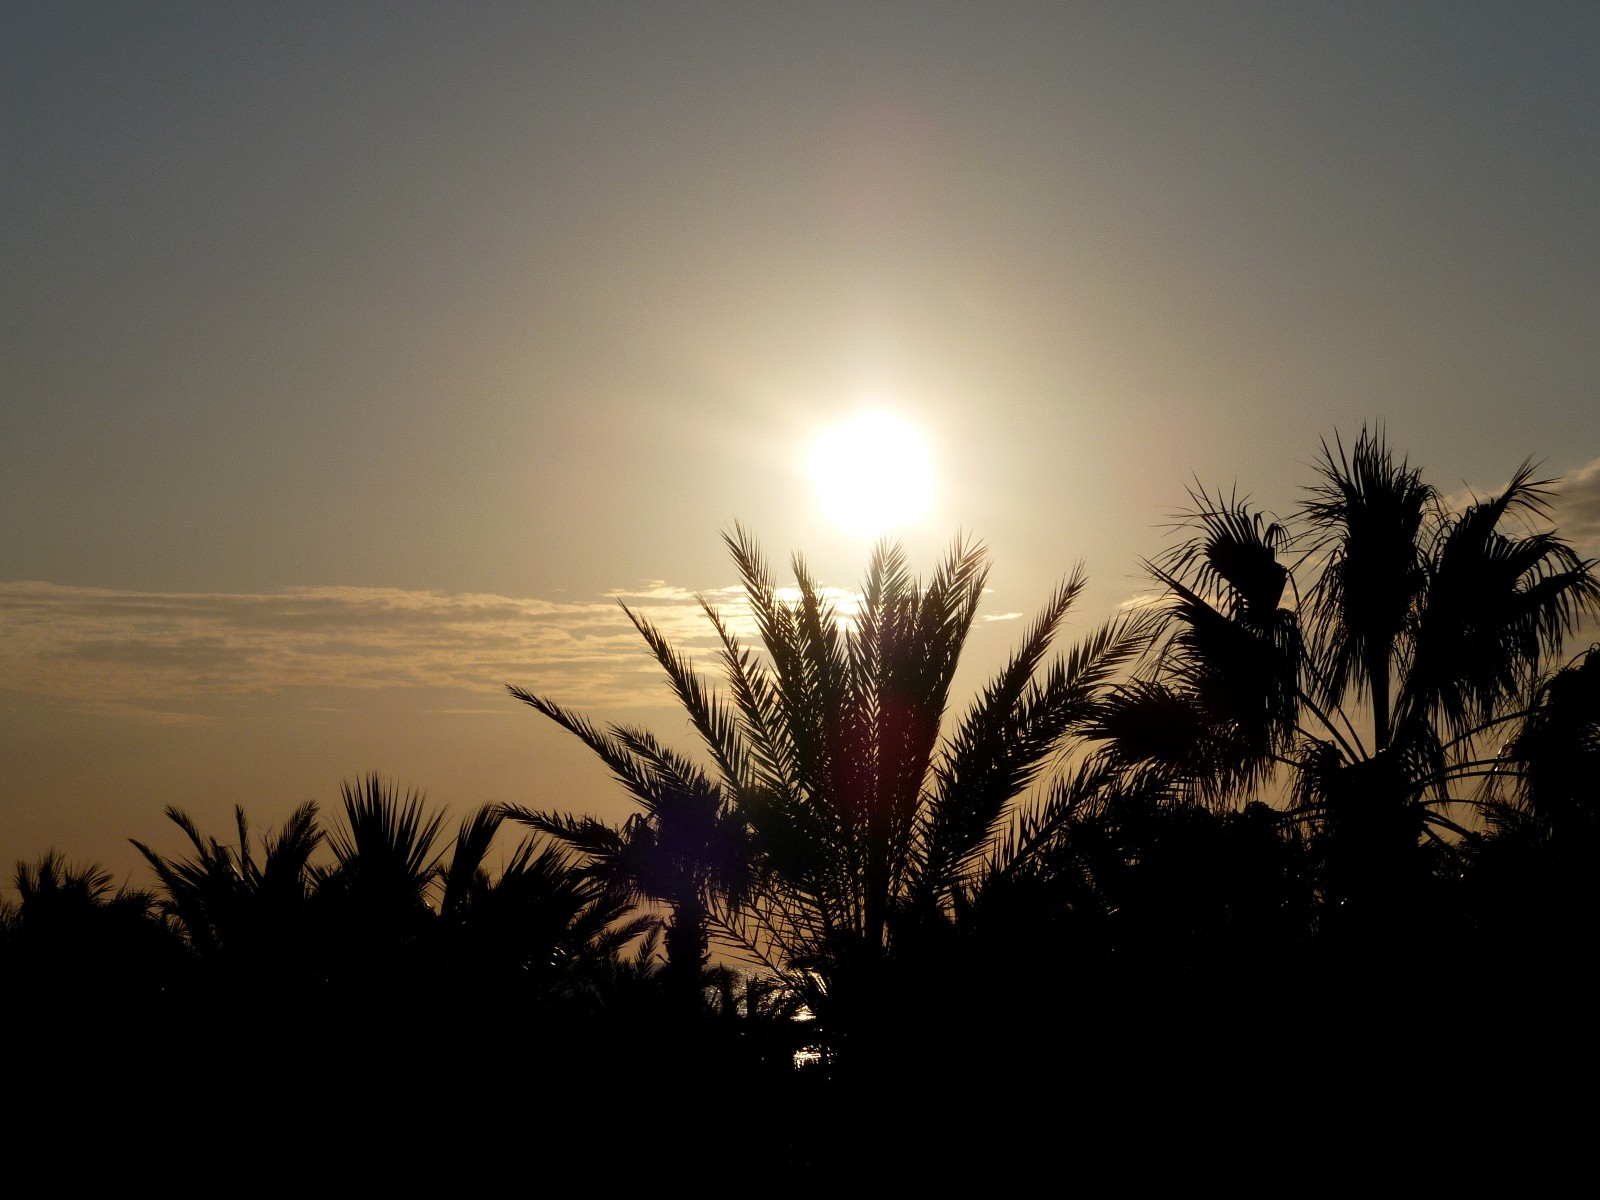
x=1305 y=849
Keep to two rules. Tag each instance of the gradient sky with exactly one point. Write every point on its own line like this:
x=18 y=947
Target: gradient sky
x=355 y=358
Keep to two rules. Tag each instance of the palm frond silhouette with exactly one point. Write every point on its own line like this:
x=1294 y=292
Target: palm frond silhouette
x=841 y=824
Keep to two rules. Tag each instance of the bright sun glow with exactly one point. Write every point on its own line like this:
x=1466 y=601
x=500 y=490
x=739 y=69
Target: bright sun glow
x=872 y=473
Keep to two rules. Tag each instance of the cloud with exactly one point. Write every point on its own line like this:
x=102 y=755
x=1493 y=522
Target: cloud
x=161 y=652
x=1140 y=601
x=1576 y=509
x=162 y=655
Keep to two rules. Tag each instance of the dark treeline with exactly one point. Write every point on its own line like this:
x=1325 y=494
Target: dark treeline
x=1310 y=839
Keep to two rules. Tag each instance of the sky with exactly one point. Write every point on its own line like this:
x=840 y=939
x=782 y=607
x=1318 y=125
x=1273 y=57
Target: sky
x=356 y=360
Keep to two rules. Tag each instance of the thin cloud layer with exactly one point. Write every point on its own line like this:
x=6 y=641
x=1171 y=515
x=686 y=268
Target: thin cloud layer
x=160 y=653
x=1576 y=509
x=1573 y=512
x=112 y=648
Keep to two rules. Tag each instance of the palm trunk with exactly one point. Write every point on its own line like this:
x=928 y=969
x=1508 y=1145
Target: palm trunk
x=688 y=946
x=1378 y=680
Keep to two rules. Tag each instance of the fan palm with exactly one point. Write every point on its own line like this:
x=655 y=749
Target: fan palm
x=72 y=936
x=1372 y=647
x=374 y=900
x=88 y=971
x=1554 y=761
x=863 y=823
x=1531 y=871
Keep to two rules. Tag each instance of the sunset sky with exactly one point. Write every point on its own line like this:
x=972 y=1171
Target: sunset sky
x=355 y=359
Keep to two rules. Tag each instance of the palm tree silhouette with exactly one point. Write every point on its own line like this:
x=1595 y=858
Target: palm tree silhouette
x=542 y=926
x=374 y=905
x=1554 y=760
x=686 y=850
x=88 y=970
x=868 y=827
x=74 y=938
x=1530 y=873
x=245 y=913
x=1382 y=685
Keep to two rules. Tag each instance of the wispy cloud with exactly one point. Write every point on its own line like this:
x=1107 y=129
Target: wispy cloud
x=1574 y=509
x=1577 y=509
x=1140 y=601
x=108 y=648
x=162 y=654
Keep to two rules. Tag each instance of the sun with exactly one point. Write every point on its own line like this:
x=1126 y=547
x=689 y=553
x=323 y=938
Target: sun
x=872 y=474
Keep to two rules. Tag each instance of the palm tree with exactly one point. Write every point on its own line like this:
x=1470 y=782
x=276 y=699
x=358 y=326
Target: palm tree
x=542 y=925
x=686 y=850
x=232 y=908
x=868 y=825
x=74 y=939
x=1530 y=872
x=1374 y=648
x=1554 y=760
x=374 y=903
x=88 y=970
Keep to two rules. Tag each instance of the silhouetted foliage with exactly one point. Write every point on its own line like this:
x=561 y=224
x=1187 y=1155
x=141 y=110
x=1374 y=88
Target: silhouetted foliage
x=686 y=850
x=72 y=937
x=244 y=917
x=868 y=831
x=1372 y=650
x=1342 y=816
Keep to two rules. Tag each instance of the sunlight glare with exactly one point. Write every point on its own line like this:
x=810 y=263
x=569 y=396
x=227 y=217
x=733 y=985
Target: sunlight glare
x=872 y=473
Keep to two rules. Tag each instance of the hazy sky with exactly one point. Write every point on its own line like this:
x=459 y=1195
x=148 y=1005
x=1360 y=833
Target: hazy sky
x=353 y=358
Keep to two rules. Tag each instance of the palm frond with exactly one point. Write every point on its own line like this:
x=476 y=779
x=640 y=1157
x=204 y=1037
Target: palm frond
x=463 y=876
x=1017 y=723
x=386 y=830
x=717 y=725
